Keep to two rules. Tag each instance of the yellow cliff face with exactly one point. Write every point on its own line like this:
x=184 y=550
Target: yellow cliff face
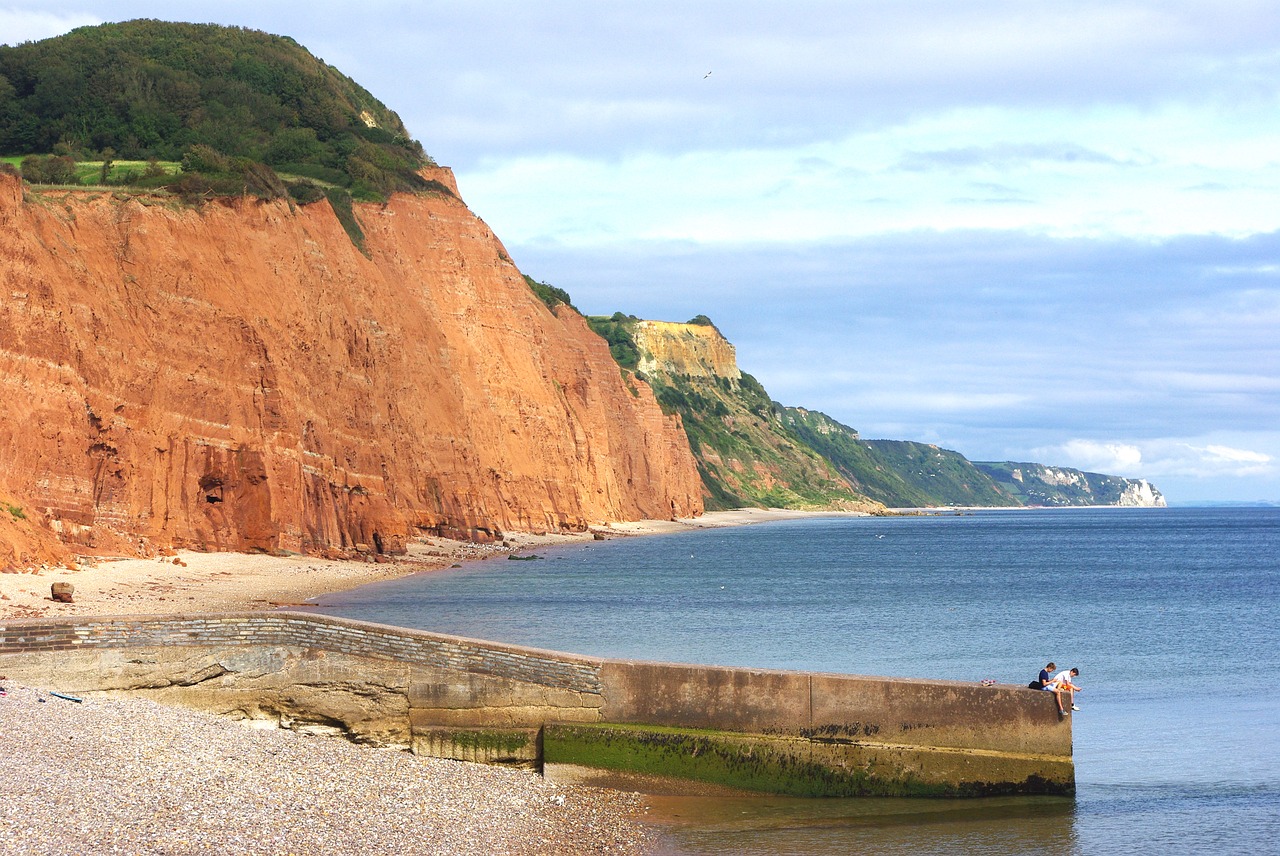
x=746 y=455
x=240 y=376
x=690 y=350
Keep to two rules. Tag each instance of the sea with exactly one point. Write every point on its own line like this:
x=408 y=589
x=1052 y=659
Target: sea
x=1172 y=616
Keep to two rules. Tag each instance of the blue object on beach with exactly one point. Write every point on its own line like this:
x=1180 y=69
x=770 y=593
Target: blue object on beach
x=67 y=697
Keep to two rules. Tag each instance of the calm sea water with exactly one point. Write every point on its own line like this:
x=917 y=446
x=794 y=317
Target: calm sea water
x=1172 y=616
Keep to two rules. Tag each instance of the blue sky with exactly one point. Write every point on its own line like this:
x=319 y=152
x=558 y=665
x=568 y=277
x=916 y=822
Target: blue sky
x=1026 y=230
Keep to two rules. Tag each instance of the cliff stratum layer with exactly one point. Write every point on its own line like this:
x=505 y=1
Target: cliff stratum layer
x=240 y=376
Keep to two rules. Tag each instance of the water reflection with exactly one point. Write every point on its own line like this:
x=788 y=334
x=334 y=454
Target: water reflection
x=765 y=825
x=707 y=820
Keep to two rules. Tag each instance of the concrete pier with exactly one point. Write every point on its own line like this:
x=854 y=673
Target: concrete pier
x=446 y=696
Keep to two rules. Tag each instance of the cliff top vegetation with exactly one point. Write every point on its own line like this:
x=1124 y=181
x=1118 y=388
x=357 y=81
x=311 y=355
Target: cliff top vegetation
x=236 y=107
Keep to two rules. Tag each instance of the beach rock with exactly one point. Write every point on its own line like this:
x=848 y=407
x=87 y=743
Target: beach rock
x=62 y=592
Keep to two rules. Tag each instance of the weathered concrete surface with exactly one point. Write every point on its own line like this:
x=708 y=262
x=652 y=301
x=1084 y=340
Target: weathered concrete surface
x=448 y=697
x=511 y=747
x=303 y=688
x=757 y=701
x=937 y=713
x=787 y=732
x=833 y=707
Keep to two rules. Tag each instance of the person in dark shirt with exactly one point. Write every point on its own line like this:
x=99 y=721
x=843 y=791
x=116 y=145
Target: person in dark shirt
x=1045 y=681
x=1046 y=675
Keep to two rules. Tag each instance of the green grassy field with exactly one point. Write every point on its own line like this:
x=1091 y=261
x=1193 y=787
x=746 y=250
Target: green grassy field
x=89 y=173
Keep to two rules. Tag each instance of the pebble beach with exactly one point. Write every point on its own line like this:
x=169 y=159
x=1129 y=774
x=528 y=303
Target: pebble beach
x=131 y=776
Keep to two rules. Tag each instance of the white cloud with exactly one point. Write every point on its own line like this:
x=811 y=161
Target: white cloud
x=923 y=401
x=1087 y=172
x=1158 y=458
x=1227 y=455
x=1209 y=461
x=1093 y=456
x=21 y=25
x=1207 y=381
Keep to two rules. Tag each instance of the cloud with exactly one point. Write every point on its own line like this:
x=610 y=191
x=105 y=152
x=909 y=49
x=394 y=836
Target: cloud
x=1219 y=383
x=1094 y=456
x=1004 y=156
x=941 y=402
x=1194 y=460
x=1113 y=172
x=1243 y=457
x=497 y=78
x=25 y=25
x=1161 y=457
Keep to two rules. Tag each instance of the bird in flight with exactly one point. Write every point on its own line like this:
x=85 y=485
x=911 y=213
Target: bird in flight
x=705 y=76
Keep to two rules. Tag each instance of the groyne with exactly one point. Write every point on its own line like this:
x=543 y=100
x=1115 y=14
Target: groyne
x=446 y=696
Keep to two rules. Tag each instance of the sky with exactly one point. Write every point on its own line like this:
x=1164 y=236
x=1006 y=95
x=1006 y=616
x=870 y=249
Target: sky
x=1028 y=230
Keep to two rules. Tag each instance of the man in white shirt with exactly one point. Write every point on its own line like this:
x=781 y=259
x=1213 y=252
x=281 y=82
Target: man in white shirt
x=1060 y=684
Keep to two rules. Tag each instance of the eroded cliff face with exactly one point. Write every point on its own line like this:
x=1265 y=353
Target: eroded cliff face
x=1140 y=493
x=1040 y=485
x=688 y=350
x=242 y=377
x=746 y=455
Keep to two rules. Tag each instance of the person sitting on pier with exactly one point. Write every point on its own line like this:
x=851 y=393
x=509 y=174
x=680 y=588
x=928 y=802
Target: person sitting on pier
x=1061 y=683
x=1043 y=679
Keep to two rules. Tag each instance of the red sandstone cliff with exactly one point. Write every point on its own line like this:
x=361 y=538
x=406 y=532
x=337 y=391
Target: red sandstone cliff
x=242 y=377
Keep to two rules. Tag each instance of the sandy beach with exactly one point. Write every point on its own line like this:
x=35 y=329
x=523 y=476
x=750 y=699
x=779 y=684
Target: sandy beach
x=128 y=775
x=232 y=582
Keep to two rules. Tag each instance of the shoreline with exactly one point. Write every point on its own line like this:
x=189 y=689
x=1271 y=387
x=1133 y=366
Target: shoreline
x=189 y=581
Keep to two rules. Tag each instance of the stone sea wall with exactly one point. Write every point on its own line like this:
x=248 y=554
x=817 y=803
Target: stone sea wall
x=446 y=696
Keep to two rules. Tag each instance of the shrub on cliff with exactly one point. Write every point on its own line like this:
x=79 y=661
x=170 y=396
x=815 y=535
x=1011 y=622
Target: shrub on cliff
x=207 y=172
x=205 y=159
x=304 y=192
x=51 y=169
x=549 y=294
x=619 y=331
